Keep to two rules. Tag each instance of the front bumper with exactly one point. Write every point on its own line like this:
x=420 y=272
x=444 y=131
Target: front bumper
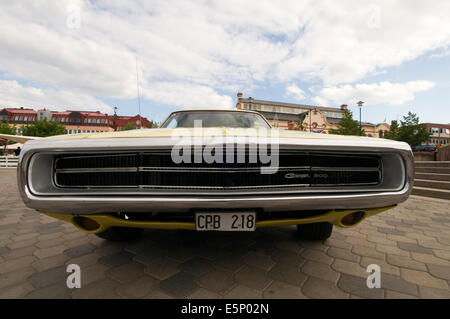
x=97 y=204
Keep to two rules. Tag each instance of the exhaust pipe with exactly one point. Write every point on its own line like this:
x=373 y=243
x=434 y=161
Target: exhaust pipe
x=352 y=218
x=86 y=223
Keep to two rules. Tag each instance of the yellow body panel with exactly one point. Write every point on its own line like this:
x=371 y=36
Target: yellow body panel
x=107 y=221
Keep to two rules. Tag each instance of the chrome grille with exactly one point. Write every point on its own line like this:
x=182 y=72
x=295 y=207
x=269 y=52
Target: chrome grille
x=156 y=170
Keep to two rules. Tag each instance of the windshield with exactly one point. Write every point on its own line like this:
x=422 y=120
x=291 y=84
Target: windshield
x=215 y=119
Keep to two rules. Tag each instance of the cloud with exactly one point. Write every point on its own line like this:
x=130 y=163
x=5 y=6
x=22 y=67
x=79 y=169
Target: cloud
x=206 y=49
x=296 y=92
x=13 y=94
x=186 y=95
x=377 y=93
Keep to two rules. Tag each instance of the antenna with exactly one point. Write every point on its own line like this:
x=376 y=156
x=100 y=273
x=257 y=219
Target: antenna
x=139 y=96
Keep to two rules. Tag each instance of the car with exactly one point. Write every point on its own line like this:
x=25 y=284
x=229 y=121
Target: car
x=213 y=170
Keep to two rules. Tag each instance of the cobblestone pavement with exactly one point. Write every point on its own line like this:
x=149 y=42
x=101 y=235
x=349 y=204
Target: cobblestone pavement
x=411 y=243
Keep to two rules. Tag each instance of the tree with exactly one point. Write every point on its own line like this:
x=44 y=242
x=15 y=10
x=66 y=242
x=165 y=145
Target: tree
x=394 y=131
x=411 y=131
x=128 y=126
x=152 y=124
x=6 y=129
x=348 y=126
x=43 y=128
x=300 y=125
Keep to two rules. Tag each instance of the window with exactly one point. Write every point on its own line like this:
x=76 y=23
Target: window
x=380 y=134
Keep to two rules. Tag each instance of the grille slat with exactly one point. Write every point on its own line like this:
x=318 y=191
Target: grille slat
x=156 y=170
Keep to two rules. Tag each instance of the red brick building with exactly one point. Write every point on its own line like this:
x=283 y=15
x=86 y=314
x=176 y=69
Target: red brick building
x=74 y=121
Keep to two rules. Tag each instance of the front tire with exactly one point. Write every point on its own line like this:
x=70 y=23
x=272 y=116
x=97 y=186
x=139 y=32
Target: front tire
x=315 y=231
x=121 y=233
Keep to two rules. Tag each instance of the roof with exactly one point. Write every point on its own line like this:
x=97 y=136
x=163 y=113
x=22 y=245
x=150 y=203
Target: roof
x=304 y=106
x=20 y=111
x=214 y=109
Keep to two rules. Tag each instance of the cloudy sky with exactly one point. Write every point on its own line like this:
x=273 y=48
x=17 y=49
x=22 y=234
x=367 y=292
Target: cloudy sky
x=79 y=54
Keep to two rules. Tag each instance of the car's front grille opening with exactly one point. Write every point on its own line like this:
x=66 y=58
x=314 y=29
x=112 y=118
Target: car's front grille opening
x=156 y=170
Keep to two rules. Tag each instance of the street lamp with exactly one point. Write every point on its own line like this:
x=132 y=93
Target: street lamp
x=360 y=104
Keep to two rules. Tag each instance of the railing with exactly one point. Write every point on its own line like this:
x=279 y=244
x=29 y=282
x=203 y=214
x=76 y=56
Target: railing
x=8 y=161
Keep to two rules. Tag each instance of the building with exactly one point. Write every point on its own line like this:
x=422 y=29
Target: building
x=18 y=117
x=316 y=119
x=73 y=121
x=440 y=134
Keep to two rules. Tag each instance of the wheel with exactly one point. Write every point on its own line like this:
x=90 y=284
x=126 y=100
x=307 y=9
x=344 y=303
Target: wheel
x=121 y=233
x=316 y=231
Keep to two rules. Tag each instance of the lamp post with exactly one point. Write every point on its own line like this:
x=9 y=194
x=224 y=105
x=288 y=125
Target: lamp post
x=360 y=104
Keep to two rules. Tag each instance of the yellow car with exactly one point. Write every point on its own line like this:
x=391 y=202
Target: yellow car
x=213 y=170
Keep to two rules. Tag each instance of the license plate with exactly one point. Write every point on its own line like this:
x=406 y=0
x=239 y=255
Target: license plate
x=230 y=221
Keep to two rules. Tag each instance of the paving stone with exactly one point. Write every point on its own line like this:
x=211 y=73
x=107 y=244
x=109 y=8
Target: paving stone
x=21 y=244
x=15 y=264
x=16 y=291
x=414 y=248
x=348 y=267
x=389 y=294
x=433 y=293
x=57 y=291
x=262 y=261
x=15 y=277
x=218 y=281
x=429 y=259
x=196 y=266
x=439 y=271
x=287 y=273
x=285 y=256
x=282 y=290
x=49 y=277
x=229 y=262
x=202 y=293
x=433 y=244
x=92 y=273
x=354 y=241
x=358 y=286
x=80 y=250
x=24 y=237
x=126 y=272
x=243 y=292
x=319 y=270
x=322 y=289
x=393 y=250
x=84 y=260
x=138 y=288
x=422 y=278
x=116 y=259
x=161 y=268
x=100 y=289
x=51 y=251
x=391 y=231
x=318 y=256
x=398 y=284
x=179 y=285
x=367 y=252
x=19 y=252
x=338 y=244
x=405 y=262
x=50 y=262
x=253 y=277
x=342 y=254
